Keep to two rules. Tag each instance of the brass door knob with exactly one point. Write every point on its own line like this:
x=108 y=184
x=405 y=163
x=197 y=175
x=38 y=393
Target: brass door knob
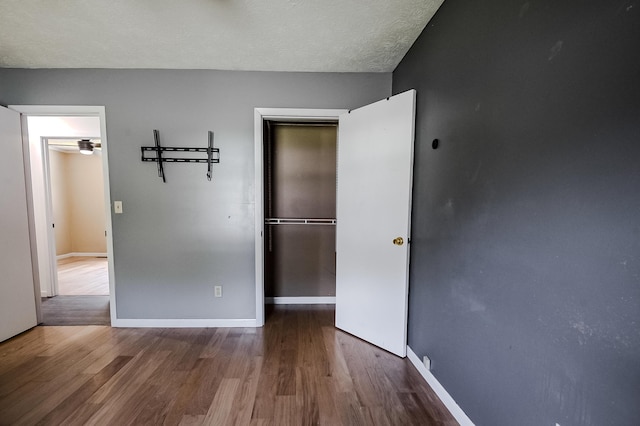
x=398 y=241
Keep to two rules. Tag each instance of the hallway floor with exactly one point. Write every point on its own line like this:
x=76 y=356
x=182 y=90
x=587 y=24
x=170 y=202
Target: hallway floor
x=76 y=310
x=83 y=276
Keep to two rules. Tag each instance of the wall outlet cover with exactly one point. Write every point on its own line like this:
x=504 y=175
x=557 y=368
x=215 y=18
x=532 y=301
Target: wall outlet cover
x=427 y=362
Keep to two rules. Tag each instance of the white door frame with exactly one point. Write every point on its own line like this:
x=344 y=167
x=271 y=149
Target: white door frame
x=51 y=234
x=79 y=111
x=275 y=114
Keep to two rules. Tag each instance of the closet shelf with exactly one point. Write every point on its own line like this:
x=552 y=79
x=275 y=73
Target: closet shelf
x=298 y=221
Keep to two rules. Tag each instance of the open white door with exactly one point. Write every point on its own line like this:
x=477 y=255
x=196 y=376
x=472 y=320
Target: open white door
x=17 y=299
x=375 y=165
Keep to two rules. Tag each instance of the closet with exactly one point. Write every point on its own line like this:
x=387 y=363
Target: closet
x=300 y=209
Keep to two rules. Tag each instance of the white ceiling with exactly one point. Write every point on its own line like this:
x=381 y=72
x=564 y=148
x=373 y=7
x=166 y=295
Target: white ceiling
x=261 y=35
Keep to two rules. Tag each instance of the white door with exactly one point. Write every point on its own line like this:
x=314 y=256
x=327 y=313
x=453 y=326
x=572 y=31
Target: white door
x=17 y=299
x=375 y=164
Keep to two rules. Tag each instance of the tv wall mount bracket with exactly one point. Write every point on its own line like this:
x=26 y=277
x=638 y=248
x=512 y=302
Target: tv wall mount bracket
x=156 y=154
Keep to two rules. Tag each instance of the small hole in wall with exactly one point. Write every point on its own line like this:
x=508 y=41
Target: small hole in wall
x=435 y=144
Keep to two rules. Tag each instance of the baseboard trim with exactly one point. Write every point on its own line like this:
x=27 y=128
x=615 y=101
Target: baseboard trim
x=311 y=300
x=182 y=323
x=442 y=393
x=75 y=254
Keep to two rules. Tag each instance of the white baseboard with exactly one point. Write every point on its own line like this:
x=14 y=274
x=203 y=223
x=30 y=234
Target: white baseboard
x=311 y=300
x=182 y=323
x=442 y=393
x=75 y=254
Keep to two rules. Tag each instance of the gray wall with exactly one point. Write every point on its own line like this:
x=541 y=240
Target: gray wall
x=525 y=267
x=175 y=241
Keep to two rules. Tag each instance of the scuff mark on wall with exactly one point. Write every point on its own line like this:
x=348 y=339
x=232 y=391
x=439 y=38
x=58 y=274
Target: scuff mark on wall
x=555 y=50
x=475 y=174
x=585 y=331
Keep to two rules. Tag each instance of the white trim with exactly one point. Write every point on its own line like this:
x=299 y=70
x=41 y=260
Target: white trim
x=299 y=114
x=276 y=114
x=58 y=110
x=259 y=215
x=48 y=209
x=76 y=254
x=310 y=300
x=91 y=111
x=182 y=323
x=439 y=390
x=38 y=293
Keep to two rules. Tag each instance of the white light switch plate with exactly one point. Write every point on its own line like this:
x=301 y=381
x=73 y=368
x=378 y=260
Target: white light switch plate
x=117 y=207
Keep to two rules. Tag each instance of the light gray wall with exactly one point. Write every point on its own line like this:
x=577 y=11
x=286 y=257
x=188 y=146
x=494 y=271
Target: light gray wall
x=176 y=240
x=525 y=266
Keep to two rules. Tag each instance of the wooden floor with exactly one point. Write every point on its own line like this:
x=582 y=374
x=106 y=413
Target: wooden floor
x=83 y=276
x=76 y=310
x=297 y=370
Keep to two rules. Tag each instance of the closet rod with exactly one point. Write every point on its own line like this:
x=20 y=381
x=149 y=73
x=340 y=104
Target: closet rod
x=298 y=221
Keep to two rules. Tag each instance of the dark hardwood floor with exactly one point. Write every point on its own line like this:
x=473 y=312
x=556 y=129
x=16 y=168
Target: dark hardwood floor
x=297 y=370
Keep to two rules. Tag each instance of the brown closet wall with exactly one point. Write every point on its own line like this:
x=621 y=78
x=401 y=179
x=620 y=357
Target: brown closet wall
x=300 y=183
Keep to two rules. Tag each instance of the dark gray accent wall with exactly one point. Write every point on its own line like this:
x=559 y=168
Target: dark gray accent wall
x=525 y=266
x=176 y=240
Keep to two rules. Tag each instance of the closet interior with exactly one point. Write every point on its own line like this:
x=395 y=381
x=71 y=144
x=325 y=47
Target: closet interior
x=300 y=209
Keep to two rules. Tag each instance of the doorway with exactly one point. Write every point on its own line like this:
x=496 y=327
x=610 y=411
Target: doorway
x=274 y=115
x=375 y=157
x=76 y=194
x=75 y=216
x=76 y=201
x=300 y=209
x=68 y=193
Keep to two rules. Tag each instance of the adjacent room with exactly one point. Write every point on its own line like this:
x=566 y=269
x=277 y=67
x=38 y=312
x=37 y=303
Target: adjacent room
x=77 y=203
x=455 y=241
x=78 y=210
x=67 y=183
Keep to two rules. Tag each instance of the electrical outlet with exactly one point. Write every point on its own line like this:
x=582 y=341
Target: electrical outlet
x=218 y=291
x=427 y=362
x=117 y=207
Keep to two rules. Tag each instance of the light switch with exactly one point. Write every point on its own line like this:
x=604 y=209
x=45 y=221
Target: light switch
x=117 y=207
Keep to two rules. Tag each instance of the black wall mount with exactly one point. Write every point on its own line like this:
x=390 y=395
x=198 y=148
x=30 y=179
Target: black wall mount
x=212 y=155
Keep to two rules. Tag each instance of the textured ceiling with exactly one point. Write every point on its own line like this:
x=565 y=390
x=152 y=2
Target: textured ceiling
x=265 y=35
